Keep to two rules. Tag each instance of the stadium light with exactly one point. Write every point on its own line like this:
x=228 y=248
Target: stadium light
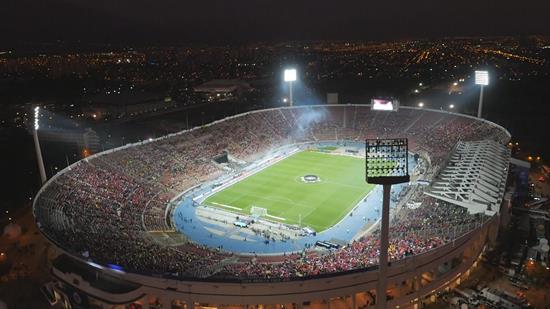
x=36 y=115
x=290 y=76
x=386 y=164
x=39 y=158
x=481 y=79
x=386 y=161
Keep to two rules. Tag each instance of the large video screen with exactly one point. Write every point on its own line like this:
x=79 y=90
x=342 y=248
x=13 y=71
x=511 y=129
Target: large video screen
x=384 y=105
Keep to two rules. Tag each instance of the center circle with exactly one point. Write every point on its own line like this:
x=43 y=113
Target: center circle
x=310 y=178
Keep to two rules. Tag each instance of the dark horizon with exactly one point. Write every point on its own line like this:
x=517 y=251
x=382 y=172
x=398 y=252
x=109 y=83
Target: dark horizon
x=220 y=22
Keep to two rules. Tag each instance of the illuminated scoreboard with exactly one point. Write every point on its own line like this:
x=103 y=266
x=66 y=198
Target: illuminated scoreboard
x=384 y=105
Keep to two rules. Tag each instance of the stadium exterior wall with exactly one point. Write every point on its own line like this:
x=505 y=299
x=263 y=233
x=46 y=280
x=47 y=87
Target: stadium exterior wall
x=465 y=249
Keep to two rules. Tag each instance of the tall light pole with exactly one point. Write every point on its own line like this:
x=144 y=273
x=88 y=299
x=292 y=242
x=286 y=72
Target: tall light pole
x=290 y=76
x=386 y=164
x=37 y=145
x=481 y=79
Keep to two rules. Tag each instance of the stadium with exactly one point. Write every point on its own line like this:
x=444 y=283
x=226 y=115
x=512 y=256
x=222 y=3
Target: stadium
x=270 y=208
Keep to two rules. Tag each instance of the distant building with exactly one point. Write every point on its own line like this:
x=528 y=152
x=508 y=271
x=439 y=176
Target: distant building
x=520 y=171
x=332 y=98
x=126 y=105
x=223 y=89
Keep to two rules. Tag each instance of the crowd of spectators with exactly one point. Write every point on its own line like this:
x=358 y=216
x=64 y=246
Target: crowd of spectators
x=103 y=206
x=412 y=232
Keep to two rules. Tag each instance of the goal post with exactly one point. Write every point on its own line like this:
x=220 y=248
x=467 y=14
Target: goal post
x=258 y=211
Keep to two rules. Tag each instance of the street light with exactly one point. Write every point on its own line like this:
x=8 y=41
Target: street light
x=481 y=79
x=290 y=76
x=420 y=104
x=386 y=164
x=451 y=106
x=37 y=145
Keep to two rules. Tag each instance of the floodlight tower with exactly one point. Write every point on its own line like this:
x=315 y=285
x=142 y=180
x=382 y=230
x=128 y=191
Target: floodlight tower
x=481 y=79
x=386 y=164
x=290 y=76
x=37 y=145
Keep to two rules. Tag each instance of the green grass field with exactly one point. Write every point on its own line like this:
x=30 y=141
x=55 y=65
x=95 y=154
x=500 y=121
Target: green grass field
x=281 y=191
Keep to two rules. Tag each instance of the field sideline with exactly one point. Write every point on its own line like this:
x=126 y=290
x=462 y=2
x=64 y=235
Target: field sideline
x=280 y=190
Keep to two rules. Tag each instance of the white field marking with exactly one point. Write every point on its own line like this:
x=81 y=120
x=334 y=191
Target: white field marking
x=345 y=214
x=346 y=210
x=223 y=205
x=284 y=199
x=310 y=209
x=266 y=163
x=339 y=154
x=353 y=206
x=342 y=214
x=275 y=217
x=273 y=198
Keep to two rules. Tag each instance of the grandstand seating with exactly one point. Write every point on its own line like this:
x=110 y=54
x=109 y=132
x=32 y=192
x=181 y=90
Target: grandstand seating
x=101 y=207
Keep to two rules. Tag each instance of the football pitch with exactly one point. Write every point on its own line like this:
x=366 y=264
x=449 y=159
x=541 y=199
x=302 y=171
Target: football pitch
x=280 y=189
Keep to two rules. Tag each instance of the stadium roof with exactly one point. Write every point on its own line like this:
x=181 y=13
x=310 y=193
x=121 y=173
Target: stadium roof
x=474 y=177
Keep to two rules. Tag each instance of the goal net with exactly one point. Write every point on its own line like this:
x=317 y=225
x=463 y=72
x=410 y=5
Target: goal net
x=257 y=212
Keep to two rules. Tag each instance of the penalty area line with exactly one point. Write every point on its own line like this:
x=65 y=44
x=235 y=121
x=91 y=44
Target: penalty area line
x=227 y=206
x=275 y=217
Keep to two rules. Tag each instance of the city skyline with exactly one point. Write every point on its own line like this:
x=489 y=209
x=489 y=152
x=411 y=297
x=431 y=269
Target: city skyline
x=213 y=21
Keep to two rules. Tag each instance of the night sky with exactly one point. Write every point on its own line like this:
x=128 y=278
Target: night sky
x=181 y=21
